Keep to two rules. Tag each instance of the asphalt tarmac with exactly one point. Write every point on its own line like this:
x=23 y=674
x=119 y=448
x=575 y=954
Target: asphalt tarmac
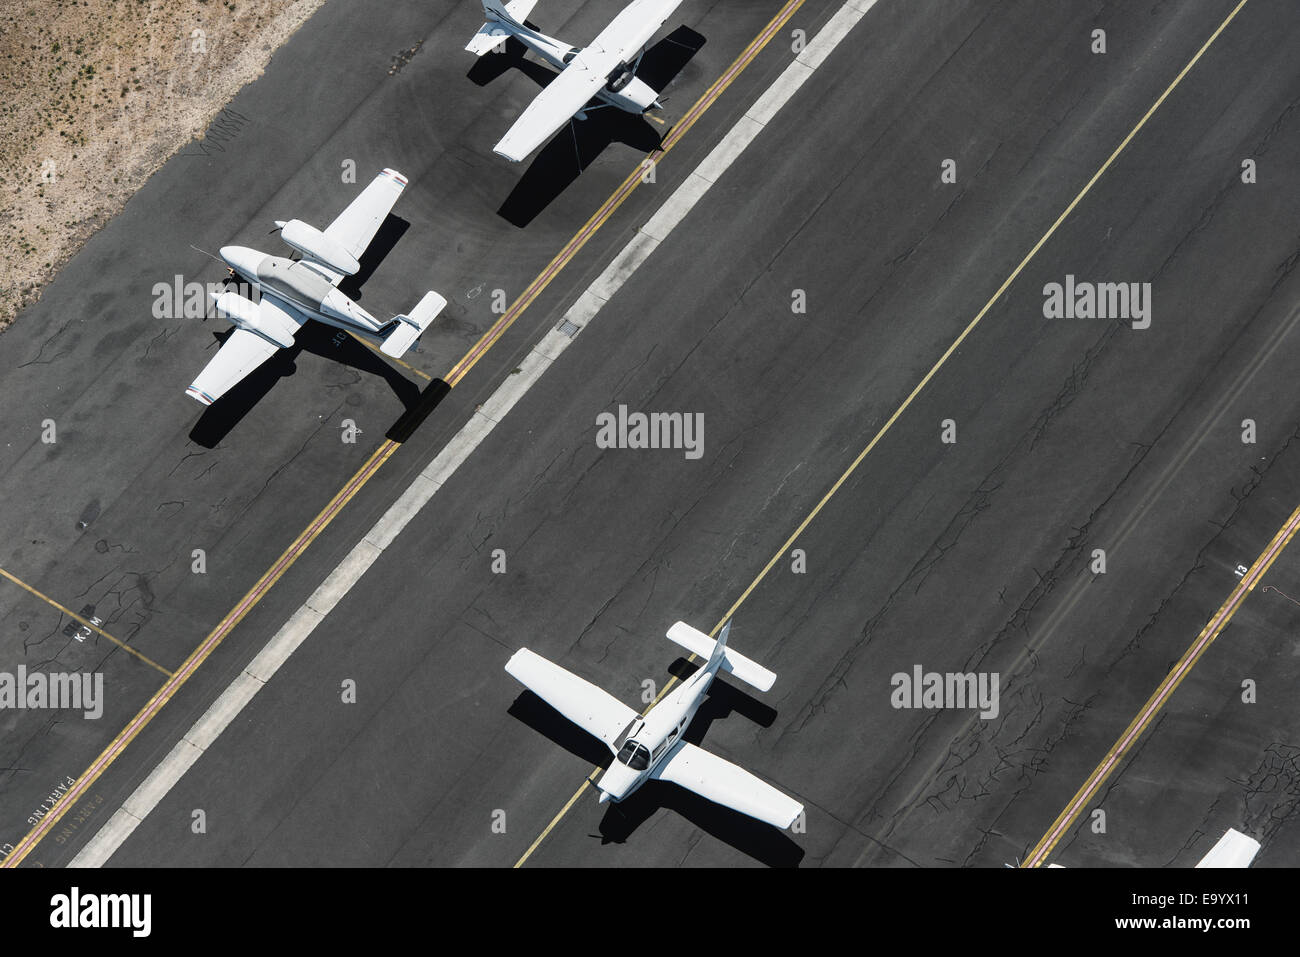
x=109 y=515
x=971 y=555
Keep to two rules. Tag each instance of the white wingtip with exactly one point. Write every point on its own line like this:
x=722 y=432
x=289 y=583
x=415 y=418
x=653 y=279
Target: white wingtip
x=510 y=156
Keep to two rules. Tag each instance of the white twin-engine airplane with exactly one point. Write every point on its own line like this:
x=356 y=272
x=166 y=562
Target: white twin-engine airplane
x=650 y=746
x=293 y=292
x=604 y=68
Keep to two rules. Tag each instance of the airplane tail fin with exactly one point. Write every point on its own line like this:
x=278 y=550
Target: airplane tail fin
x=719 y=652
x=493 y=34
x=516 y=11
x=410 y=327
x=732 y=662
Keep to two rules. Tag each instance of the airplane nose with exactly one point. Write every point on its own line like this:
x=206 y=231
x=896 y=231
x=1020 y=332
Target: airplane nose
x=604 y=796
x=242 y=260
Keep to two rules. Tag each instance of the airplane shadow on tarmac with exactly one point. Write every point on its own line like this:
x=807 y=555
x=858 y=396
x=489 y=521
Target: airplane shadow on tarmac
x=392 y=229
x=580 y=142
x=760 y=841
x=222 y=416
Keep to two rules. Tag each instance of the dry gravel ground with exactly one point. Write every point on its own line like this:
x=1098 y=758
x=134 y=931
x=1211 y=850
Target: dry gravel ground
x=95 y=95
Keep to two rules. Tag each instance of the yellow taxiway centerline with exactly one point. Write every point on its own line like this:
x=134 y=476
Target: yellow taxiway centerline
x=853 y=466
x=380 y=456
x=625 y=189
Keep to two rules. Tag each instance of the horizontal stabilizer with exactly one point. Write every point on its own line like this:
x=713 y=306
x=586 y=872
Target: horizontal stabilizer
x=410 y=327
x=493 y=34
x=516 y=11
x=519 y=9
x=733 y=662
x=490 y=36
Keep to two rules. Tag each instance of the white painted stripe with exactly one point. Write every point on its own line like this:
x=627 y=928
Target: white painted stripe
x=516 y=384
x=277 y=650
x=836 y=29
x=732 y=145
x=340 y=581
x=579 y=313
x=108 y=839
x=223 y=711
x=776 y=95
x=157 y=784
x=678 y=205
x=295 y=631
x=457 y=450
x=636 y=252
x=402 y=511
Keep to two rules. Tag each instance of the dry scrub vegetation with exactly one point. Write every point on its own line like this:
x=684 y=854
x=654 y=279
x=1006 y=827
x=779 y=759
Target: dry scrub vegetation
x=95 y=95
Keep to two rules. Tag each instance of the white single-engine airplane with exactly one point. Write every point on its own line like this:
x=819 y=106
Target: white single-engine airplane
x=605 y=68
x=295 y=291
x=650 y=746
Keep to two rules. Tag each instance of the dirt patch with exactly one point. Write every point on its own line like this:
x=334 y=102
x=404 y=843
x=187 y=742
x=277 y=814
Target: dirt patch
x=95 y=95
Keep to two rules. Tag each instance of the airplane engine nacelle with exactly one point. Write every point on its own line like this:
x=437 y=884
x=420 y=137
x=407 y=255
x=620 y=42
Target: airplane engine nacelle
x=311 y=242
x=245 y=314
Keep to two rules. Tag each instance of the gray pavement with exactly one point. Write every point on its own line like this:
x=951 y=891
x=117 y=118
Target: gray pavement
x=1072 y=435
x=154 y=476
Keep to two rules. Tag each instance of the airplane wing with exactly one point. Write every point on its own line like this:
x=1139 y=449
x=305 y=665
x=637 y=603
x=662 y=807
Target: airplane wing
x=595 y=711
x=356 y=226
x=632 y=29
x=244 y=351
x=555 y=105
x=584 y=76
x=724 y=783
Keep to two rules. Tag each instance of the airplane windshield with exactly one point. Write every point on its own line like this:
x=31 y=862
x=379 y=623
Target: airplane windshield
x=635 y=756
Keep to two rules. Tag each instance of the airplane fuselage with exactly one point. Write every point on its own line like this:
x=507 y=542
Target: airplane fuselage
x=657 y=732
x=303 y=288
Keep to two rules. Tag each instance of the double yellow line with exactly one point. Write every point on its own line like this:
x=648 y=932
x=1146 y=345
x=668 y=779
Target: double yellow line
x=199 y=655
x=1120 y=749
x=889 y=423
x=625 y=189
x=373 y=464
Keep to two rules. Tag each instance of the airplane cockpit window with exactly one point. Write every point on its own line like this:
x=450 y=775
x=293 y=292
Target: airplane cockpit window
x=568 y=57
x=635 y=756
